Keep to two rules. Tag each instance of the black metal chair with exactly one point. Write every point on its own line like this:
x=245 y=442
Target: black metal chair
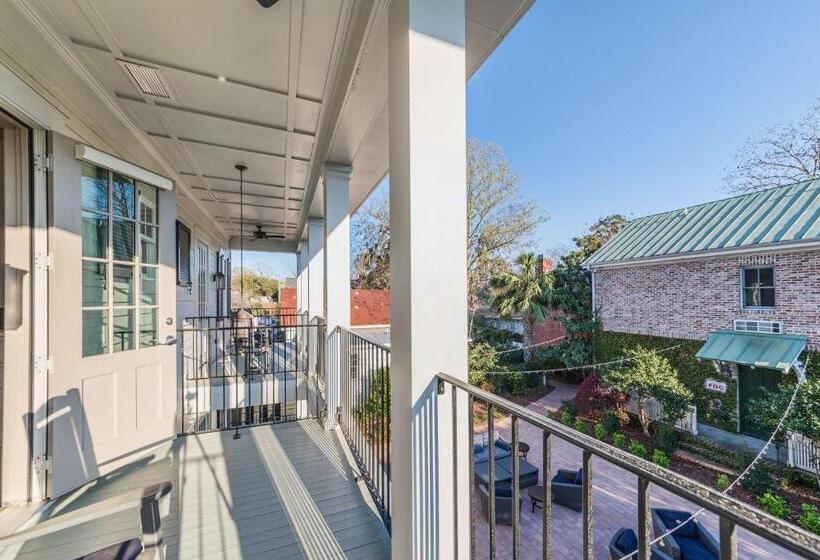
x=567 y=488
x=691 y=541
x=503 y=504
x=625 y=541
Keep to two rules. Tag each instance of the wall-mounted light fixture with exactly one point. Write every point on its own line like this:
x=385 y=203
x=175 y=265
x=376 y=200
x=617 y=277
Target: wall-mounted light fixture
x=220 y=280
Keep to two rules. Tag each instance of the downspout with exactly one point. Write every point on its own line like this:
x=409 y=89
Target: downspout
x=592 y=282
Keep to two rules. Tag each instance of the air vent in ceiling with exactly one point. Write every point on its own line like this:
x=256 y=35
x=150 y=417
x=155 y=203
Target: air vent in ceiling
x=219 y=196
x=148 y=79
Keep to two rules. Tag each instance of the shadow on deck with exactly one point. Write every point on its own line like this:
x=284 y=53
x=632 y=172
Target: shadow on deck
x=283 y=490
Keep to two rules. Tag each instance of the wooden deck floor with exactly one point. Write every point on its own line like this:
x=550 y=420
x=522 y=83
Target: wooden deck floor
x=281 y=491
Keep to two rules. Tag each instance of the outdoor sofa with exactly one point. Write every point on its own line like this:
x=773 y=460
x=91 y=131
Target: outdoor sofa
x=481 y=451
x=692 y=541
x=567 y=488
x=625 y=541
x=503 y=503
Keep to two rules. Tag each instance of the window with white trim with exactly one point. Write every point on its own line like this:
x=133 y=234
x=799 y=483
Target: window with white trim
x=758 y=287
x=120 y=262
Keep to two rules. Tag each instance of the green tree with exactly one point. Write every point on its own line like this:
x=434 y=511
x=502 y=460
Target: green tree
x=258 y=287
x=647 y=375
x=571 y=293
x=523 y=290
x=805 y=414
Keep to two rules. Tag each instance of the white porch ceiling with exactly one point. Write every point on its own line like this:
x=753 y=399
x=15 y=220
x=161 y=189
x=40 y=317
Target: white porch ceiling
x=280 y=89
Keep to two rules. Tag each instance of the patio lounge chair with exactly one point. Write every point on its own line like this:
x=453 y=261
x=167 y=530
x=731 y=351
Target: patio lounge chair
x=503 y=504
x=152 y=503
x=567 y=488
x=625 y=541
x=690 y=542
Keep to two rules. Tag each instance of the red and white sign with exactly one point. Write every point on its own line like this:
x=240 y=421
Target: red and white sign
x=714 y=385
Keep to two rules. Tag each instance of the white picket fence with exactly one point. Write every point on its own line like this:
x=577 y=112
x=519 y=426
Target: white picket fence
x=803 y=453
x=689 y=422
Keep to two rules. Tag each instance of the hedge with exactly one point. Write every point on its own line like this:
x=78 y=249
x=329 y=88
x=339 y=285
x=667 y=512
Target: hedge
x=693 y=374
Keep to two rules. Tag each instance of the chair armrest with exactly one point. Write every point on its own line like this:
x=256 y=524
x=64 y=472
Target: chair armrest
x=147 y=500
x=707 y=539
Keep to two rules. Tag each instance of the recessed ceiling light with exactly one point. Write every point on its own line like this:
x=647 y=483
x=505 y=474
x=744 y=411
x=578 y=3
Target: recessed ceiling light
x=222 y=78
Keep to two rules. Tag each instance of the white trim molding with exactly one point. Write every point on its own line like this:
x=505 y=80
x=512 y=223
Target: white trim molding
x=97 y=157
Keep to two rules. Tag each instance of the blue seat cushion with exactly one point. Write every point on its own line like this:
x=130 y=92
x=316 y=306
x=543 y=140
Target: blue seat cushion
x=564 y=479
x=481 y=453
x=692 y=549
x=672 y=518
x=579 y=478
x=627 y=541
x=500 y=443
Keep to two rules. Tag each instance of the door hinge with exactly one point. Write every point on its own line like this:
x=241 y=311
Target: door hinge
x=43 y=261
x=43 y=365
x=42 y=463
x=42 y=162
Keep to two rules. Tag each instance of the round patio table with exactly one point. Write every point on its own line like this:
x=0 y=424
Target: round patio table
x=536 y=494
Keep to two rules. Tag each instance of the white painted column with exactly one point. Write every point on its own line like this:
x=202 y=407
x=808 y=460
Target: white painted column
x=315 y=268
x=301 y=275
x=428 y=221
x=337 y=269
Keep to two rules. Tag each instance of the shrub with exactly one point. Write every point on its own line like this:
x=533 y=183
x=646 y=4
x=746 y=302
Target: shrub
x=570 y=406
x=810 y=518
x=757 y=480
x=594 y=397
x=638 y=449
x=619 y=440
x=612 y=421
x=566 y=417
x=580 y=425
x=722 y=482
x=665 y=437
x=795 y=477
x=660 y=458
x=774 y=505
x=600 y=432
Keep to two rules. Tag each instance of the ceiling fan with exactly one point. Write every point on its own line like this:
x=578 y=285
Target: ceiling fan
x=261 y=234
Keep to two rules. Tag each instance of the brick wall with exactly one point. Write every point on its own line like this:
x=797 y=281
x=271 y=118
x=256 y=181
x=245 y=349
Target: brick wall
x=688 y=299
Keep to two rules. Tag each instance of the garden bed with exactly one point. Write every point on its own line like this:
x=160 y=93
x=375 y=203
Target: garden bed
x=789 y=496
x=480 y=408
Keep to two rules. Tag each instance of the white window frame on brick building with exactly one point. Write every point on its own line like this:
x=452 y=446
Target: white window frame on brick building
x=744 y=288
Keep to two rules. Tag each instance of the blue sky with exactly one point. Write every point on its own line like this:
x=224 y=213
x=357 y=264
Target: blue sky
x=634 y=106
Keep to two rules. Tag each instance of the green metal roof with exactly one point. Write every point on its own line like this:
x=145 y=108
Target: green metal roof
x=776 y=351
x=773 y=216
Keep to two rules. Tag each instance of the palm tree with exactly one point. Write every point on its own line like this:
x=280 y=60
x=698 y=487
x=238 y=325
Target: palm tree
x=524 y=290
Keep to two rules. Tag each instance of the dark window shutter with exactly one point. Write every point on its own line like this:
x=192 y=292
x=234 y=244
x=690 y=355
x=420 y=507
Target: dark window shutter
x=183 y=254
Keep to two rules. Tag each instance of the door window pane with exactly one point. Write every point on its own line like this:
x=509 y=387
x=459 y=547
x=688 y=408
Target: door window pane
x=124 y=330
x=122 y=195
x=95 y=286
x=148 y=203
x=148 y=286
x=95 y=332
x=95 y=235
x=148 y=327
x=148 y=241
x=123 y=239
x=123 y=284
x=95 y=188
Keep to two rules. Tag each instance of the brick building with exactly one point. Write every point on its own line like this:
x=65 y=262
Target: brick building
x=742 y=274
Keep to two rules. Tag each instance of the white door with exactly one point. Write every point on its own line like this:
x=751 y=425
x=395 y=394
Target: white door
x=112 y=390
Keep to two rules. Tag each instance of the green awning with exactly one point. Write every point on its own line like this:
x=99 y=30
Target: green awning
x=775 y=351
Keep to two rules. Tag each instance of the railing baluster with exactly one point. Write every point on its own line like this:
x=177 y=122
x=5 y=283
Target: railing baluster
x=728 y=540
x=471 y=467
x=516 y=491
x=587 y=506
x=491 y=476
x=644 y=519
x=546 y=494
x=454 y=413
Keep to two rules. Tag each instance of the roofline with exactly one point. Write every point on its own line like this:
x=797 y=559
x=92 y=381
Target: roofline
x=776 y=247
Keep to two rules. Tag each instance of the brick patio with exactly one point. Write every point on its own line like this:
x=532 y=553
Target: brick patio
x=614 y=500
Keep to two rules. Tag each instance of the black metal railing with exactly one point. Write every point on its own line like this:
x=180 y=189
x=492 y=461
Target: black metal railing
x=238 y=372
x=364 y=408
x=731 y=512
